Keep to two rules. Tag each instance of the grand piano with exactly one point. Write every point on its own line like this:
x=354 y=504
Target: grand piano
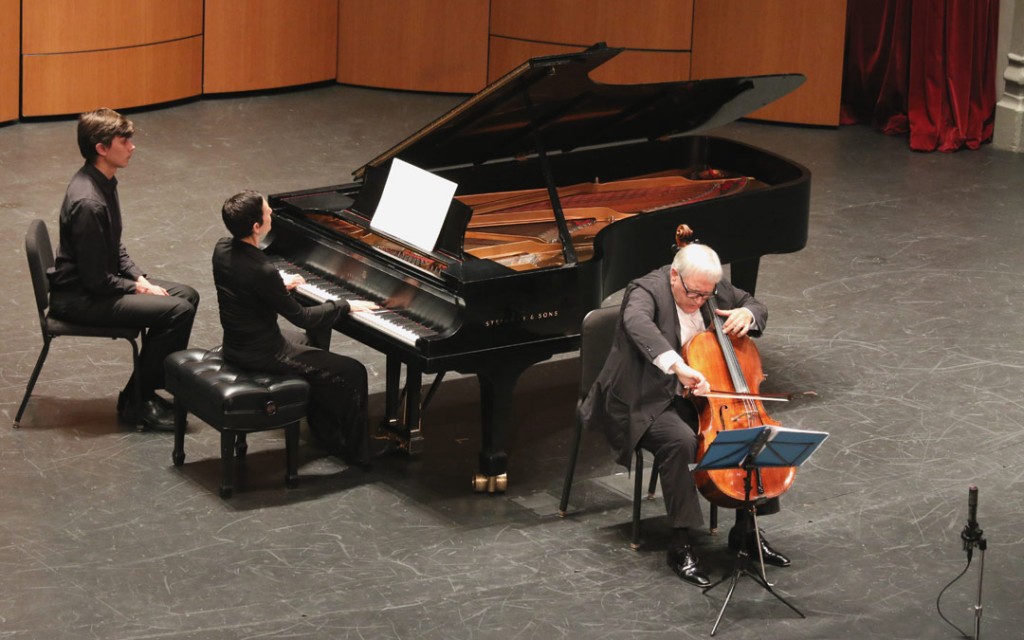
x=567 y=190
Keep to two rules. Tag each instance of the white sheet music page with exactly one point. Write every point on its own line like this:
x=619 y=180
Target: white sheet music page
x=413 y=206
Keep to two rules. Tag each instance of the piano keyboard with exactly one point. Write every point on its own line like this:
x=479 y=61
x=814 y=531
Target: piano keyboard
x=390 y=322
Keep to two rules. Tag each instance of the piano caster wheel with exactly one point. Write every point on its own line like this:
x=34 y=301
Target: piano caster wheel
x=490 y=484
x=479 y=483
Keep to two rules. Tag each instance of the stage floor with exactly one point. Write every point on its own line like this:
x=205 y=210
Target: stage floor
x=900 y=325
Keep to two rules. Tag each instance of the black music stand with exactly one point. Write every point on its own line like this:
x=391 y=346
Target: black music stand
x=753 y=449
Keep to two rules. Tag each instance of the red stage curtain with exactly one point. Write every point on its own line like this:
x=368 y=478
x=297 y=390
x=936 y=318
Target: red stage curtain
x=926 y=67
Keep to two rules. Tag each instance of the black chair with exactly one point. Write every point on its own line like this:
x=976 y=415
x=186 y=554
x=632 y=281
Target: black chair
x=39 y=252
x=595 y=343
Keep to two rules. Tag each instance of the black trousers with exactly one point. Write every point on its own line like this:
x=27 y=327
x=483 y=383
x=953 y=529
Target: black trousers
x=338 y=416
x=673 y=441
x=167 y=319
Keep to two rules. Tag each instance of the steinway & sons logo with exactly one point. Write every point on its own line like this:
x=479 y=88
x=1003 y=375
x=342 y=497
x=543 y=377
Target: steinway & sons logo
x=520 y=318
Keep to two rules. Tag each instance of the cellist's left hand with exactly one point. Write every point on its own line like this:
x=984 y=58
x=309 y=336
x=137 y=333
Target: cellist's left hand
x=738 y=321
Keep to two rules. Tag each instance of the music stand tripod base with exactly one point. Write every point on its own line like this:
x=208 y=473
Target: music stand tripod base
x=741 y=567
x=751 y=449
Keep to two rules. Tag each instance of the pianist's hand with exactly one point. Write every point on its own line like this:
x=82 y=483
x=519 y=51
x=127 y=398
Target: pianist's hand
x=292 y=280
x=362 y=305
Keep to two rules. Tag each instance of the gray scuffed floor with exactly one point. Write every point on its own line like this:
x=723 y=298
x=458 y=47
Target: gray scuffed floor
x=903 y=316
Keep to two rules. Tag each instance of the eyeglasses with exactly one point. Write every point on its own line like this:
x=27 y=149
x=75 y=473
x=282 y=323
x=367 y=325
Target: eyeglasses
x=696 y=295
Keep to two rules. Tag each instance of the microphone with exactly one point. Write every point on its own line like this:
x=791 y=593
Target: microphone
x=972 y=506
x=972 y=533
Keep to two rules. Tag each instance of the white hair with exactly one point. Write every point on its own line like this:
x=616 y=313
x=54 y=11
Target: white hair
x=698 y=260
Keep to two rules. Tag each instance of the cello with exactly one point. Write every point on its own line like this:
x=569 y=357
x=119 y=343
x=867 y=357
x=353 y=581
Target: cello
x=732 y=367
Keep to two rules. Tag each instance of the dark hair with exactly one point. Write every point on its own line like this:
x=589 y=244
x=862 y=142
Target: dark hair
x=101 y=127
x=241 y=211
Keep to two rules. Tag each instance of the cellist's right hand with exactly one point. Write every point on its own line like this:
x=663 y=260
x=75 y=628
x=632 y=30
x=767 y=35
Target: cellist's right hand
x=691 y=379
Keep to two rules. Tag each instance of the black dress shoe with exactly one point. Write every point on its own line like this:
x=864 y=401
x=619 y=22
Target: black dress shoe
x=154 y=413
x=167 y=405
x=684 y=562
x=770 y=555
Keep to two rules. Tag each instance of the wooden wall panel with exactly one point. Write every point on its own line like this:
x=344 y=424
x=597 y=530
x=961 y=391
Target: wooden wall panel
x=10 y=28
x=635 y=24
x=62 y=26
x=629 y=67
x=75 y=82
x=263 y=44
x=419 y=45
x=752 y=37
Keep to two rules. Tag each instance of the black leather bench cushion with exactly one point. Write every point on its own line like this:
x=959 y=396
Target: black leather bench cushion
x=228 y=397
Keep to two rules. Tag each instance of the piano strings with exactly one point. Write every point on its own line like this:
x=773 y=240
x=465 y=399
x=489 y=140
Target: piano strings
x=518 y=229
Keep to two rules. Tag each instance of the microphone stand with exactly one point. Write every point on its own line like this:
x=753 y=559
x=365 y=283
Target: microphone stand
x=972 y=537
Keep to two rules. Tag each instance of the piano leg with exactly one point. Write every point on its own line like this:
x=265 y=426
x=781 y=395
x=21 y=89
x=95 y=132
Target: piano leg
x=390 y=425
x=413 y=379
x=743 y=274
x=497 y=385
x=405 y=429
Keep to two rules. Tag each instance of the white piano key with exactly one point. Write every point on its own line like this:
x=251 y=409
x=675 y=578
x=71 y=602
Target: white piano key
x=375 y=320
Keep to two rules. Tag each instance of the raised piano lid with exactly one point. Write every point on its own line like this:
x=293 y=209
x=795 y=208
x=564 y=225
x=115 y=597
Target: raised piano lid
x=552 y=102
x=549 y=106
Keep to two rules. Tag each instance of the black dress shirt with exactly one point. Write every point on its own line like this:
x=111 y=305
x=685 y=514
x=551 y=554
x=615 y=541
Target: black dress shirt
x=251 y=294
x=90 y=256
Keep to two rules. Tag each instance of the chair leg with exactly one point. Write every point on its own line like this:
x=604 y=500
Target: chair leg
x=241 y=447
x=138 y=385
x=227 y=461
x=180 y=415
x=653 y=485
x=713 y=524
x=574 y=453
x=291 y=452
x=32 y=380
x=638 y=485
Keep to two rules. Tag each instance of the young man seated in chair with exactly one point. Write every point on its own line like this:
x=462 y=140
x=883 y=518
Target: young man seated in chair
x=638 y=398
x=95 y=281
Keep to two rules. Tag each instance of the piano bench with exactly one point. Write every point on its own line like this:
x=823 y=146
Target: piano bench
x=235 y=402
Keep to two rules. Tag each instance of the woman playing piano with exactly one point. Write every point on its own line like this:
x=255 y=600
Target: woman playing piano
x=251 y=293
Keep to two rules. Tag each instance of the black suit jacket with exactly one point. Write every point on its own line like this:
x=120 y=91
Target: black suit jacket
x=630 y=392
